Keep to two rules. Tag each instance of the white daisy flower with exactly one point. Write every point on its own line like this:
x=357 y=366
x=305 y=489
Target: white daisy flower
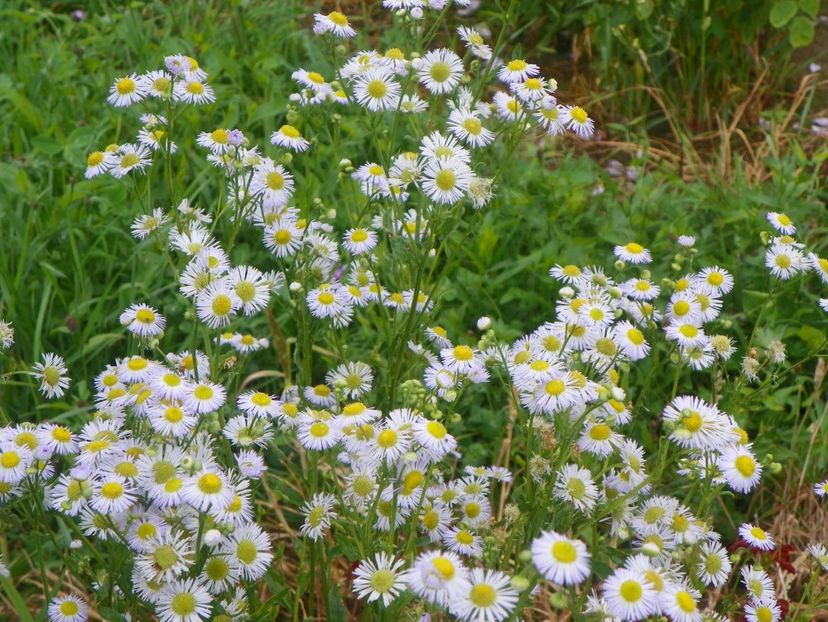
x=488 y=597
x=272 y=184
x=289 y=137
x=128 y=158
x=217 y=304
x=379 y=578
x=517 y=70
x=629 y=596
x=98 y=163
x=439 y=71
x=781 y=222
x=560 y=559
x=756 y=537
x=445 y=181
x=51 y=373
x=143 y=320
x=376 y=89
x=633 y=253
x=128 y=90
x=249 y=551
x=577 y=120
x=740 y=468
x=193 y=91
x=184 y=600
x=335 y=23
x=68 y=608
x=205 y=397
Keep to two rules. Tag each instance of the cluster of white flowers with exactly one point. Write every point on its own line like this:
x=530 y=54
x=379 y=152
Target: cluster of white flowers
x=168 y=464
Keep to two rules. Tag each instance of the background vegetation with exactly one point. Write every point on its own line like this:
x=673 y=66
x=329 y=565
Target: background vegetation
x=705 y=112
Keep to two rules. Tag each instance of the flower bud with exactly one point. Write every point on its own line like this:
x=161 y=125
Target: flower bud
x=484 y=323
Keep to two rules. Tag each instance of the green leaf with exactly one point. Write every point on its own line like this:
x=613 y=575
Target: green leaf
x=782 y=12
x=336 y=608
x=811 y=7
x=801 y=31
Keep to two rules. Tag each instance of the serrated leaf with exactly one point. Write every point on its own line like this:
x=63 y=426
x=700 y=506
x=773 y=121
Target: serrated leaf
x=782 y=12
x=801 y=31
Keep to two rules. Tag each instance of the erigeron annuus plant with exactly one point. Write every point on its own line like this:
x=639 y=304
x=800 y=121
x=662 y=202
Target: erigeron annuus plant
x=162 y=484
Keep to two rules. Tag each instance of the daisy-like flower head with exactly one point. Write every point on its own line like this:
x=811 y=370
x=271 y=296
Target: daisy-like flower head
x=820 y=266
x=249 y=551
x=143 y=320
x=335 y=23
x=767 y=610
x=784 y=261
x=68 y=608
x=317 y=434
x=128 y=90
x=289 y=137
x=517 y=70
x=715 y=280
x=574 y=485
x=98 y=163
x=633 y=253
x=740 y=468
x=217 y=141
x=51 y=373
x=128 y=158
x=781 y=222
x=577 y=120
x=272 y=183
x=318 y=514
x=434 y=437
x=756 y=537
x=440 y=71
x=681 y=602
x=474 y=41
x=488 y=597
x=697 y=425
x=379 y=578
x=283 y=237
x=359 y=240
x=193 y=91
x=376 y=89
x=216 y=304
x=146 y=224
x=714 y=564
x=560 y=559
x=113 y=495
x=445 y=181
x=467 y=126
x=251 y=288
x=184 y=600
x=205 y=397
x=14 y=460
x=208 y=489
x=438 y=576
x=757 y=583
x=629 y=596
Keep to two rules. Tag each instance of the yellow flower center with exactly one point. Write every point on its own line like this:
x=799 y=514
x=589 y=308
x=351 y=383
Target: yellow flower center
x=436 y=429
x=69 y=608
x=463 y=353
x=444 y=567
x=183 y=604
x=275 y=180
x=112 y=490
x=125 y=86
x=600 y=432
x=377 y=89
x=338 y=18
x=440 y=71
x=483 y=595
x=685 y=602
x=564 y=552
x=516 y=65
x=9 y=459
x=210 y=483
x=580 y=116
x=745 y=465
x=359 y=235
x=631 y=591
x=445 y=179
x=319 y=429
x=195 y=88
x=222 y=305
x=555 y=387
